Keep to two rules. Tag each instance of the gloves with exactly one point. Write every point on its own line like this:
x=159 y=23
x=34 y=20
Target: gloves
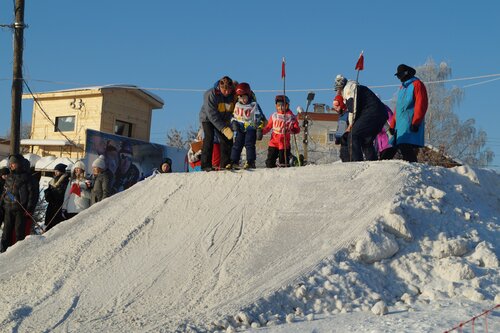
x=259 y=134
x=234 y=126
x=414 y=128
x=227 y=133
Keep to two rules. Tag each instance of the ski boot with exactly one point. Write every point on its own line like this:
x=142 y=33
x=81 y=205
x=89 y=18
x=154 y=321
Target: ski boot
x=249 y=165
x=232 y=166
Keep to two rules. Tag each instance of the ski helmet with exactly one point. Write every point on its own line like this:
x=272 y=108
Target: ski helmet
x=281 y=99
x=340 y=82
x=243 y=89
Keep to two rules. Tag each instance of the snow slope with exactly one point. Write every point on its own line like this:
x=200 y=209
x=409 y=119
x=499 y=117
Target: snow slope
x=224 y=250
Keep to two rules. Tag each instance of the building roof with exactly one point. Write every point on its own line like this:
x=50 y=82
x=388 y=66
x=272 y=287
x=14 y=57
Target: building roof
x=155 y=100
x=45 y=142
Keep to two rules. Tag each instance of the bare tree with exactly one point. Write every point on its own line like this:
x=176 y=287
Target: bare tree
x=174 y=138
x=25 y=131
x=443 y=129
x=191 y=135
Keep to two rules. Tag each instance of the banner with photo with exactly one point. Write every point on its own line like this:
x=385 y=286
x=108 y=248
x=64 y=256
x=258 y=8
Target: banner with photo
x=130 y=160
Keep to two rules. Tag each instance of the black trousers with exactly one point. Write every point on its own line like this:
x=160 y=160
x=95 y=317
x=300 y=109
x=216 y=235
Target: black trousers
x=14 y=221
x=408 y=151
x=210 y=131
x=274 y=153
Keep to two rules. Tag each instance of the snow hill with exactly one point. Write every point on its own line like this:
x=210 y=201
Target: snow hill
x=224 y=251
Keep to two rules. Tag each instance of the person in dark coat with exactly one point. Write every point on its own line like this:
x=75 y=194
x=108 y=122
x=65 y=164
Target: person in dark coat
x=54 y=195
x=19 y=201
x=367 y=117
x=101 y=183
x=4 y=172
x=215 y=117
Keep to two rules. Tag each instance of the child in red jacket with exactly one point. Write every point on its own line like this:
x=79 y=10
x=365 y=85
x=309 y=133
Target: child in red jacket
x=282 y=123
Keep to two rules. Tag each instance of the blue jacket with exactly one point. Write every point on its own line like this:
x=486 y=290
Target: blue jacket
x=411 y=107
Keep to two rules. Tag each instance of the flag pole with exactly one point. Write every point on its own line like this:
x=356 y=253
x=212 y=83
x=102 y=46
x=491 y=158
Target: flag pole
x=283 y=76
x=359 y=67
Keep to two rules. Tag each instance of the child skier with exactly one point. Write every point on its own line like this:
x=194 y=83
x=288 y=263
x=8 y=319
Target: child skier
x=247 y=120
x=282 y=123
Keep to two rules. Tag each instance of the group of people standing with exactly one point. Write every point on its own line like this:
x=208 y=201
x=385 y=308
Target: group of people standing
x=230 y=113
x=67 y=194
x=372 y=124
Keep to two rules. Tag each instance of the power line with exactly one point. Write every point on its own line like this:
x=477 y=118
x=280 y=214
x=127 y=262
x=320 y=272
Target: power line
x=48 y=118
x=496 y=77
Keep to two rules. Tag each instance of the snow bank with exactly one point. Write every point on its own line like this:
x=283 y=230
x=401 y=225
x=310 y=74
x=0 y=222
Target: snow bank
x=225 y=251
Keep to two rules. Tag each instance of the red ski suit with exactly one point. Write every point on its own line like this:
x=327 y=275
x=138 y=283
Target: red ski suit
x=278 y=123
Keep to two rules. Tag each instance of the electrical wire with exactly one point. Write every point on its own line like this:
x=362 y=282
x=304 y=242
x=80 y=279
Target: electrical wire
x=496 y=77
x=48 y=118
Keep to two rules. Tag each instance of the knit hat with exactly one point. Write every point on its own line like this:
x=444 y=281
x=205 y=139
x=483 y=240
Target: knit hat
x=169 y=162
x=340 y=82
x=60 y=167
x=16 y=159
x=78 y=164
x=226 y=83
x=100 y=162
x=4 y=171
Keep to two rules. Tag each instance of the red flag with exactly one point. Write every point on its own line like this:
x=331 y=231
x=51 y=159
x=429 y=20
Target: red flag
x=360 y=64
x=75 y=188
x=283 y=68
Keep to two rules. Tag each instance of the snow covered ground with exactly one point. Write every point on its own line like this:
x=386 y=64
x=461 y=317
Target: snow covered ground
x=344 y=247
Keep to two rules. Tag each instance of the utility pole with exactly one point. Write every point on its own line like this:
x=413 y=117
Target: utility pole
x=17 y=79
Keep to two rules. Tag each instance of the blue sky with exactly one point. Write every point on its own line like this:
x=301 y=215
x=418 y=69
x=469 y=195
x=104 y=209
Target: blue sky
x=190 y=44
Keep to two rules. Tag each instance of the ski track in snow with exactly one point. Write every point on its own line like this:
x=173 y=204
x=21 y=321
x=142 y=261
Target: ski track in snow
x=187 y=249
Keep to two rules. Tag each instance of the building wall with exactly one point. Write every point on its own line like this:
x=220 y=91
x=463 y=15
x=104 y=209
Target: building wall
x=88 y=116
x=318 y=132
x=125 y=106
x=93 y=109
x=318 y=135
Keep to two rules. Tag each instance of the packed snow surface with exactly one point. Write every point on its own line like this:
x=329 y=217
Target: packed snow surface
x=276 y=250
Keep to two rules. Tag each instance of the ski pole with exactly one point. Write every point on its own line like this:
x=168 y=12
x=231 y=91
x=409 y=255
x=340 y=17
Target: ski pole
x=297 y=149
x=12 y=197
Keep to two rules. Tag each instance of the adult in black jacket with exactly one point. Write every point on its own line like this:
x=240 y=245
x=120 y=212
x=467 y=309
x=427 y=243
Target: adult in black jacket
x=19 y=201
x=54 y=195
x=4 y=172
x=367 y=117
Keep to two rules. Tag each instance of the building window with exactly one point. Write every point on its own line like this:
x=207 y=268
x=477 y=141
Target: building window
x=65 y=124
x=331 y=136
x=123 y=128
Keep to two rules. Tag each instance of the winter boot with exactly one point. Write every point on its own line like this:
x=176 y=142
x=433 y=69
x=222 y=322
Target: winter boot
x=249 y=165
x=232 y=166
